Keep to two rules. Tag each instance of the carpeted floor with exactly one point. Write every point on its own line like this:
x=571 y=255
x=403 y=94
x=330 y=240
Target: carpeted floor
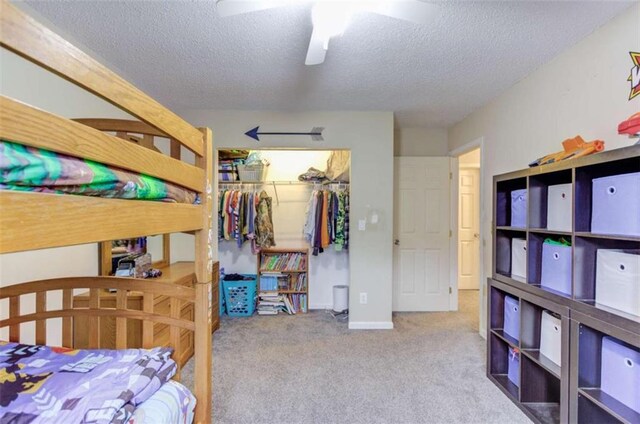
x=311 y=369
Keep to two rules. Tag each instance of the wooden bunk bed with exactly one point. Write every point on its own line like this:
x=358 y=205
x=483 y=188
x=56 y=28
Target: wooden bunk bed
x=33 y=220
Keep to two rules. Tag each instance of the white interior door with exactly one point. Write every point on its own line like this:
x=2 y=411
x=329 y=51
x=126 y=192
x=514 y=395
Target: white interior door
x=468 y=228
x=422 y=234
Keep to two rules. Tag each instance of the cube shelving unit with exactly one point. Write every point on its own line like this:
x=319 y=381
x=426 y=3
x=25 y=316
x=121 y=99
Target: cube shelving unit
x=549 y=393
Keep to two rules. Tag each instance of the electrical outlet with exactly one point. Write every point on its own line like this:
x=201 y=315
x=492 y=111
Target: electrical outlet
x=363 y=298
x=362 y=225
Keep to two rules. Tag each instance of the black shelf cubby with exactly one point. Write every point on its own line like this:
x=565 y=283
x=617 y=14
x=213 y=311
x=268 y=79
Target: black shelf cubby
x=585 y=251
x=590 y=413
x=498 y=366
x=503 y=199
x=531 y=333
x=534 y=259
x=589 y=403
x=540 y=391
x=538 y=195
x=496 y=315
x=584 y=176
x=503 y=244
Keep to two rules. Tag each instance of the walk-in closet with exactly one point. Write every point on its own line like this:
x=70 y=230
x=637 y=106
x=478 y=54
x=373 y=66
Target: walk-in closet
x=283 y=221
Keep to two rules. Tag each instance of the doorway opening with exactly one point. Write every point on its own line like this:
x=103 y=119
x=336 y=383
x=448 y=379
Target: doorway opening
x=468 y=243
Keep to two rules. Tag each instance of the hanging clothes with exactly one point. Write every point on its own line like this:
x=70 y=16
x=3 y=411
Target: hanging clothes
x=237 y=216
x=264 y=222
x=326 y=220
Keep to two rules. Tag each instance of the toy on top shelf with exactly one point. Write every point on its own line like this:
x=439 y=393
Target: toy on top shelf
x=573 y=148
x=631 y=127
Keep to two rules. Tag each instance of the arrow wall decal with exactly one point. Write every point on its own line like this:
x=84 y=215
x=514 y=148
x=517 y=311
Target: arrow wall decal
x=315 y=133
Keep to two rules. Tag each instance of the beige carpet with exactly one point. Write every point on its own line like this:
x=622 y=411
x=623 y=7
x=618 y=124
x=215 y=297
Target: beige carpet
x=311 y=369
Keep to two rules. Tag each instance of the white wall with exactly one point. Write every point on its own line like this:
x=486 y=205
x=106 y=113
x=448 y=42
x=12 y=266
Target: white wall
x=31 y=84
x=420 y=142
x=369 y=136
x=582 y=91
x=325 y=270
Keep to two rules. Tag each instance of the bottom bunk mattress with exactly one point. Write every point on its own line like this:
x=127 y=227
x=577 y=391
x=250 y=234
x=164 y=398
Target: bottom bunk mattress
x=24 y=168
x=42 y=384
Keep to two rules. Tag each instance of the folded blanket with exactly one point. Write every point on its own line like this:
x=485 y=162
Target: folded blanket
x=25 y=168
x=44 y=384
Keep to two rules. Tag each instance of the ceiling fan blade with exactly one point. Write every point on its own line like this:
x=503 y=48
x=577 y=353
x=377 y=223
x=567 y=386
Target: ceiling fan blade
x=238 y=7
x=414 y=11
x=316 y=52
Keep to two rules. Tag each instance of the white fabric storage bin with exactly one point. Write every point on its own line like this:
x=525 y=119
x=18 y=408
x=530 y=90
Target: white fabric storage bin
x=618 y=280
x=616 y=205
x=559 y=200
x=551 y=337
x=519 y=259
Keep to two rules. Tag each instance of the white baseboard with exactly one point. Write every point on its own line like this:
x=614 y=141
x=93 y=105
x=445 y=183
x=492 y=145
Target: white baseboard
x=372 y=325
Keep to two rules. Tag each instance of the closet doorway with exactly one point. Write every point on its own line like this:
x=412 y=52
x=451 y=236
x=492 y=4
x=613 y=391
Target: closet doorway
x=289 y=178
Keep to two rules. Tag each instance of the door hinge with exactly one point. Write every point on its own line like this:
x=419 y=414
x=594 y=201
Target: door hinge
x=450 y=233
x=451 y=175
x=450 y=290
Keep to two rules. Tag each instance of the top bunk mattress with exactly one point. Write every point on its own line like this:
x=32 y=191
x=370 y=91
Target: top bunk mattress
x=24 y=168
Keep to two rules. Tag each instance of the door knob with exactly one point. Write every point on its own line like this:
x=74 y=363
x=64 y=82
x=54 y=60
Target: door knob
x=396 y=242
x=476 y=235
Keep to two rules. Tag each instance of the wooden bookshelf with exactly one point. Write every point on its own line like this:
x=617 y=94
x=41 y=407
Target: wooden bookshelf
x=266 y=265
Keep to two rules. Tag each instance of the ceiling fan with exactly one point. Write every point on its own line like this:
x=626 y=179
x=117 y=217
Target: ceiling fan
x=331 y=17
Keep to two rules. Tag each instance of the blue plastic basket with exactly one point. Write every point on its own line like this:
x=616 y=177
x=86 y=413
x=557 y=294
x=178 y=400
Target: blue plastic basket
x=223 y=304
x=240 y=297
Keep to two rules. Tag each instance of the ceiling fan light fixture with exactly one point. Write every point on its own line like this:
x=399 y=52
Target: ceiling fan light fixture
x=330 y=19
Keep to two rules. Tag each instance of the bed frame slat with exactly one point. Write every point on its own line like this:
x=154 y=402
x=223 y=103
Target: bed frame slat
x=174 y=332
x=33 y=127
x=94 y=321
x=41 y=324
x=133 y=284
x=25 y=221
x=107 y=312
x=147 y=326
x=121 y=323
x=122 y=125
x=67 y=322
x=25 y=36
x=14 y=311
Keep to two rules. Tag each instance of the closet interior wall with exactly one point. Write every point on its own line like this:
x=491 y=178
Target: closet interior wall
x=327 y=269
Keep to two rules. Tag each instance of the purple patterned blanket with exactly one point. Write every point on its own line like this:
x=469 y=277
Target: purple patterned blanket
x=56 y=385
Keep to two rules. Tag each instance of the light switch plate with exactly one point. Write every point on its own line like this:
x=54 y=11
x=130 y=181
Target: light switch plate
x=362 y=224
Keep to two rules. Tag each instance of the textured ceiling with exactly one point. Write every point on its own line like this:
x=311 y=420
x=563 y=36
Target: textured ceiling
x=434 y=75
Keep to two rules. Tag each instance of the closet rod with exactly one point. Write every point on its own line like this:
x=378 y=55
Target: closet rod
x=315 y=185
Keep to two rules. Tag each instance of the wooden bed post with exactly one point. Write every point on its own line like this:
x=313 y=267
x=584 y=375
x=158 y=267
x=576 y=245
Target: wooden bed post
x=204 y=276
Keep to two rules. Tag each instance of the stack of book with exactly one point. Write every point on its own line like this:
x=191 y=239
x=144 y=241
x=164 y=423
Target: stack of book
x=269 y=301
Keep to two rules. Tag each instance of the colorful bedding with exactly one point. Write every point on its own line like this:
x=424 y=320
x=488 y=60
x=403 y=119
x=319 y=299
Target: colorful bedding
x=172 y=404
x=43 y=384
x=25 y=168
